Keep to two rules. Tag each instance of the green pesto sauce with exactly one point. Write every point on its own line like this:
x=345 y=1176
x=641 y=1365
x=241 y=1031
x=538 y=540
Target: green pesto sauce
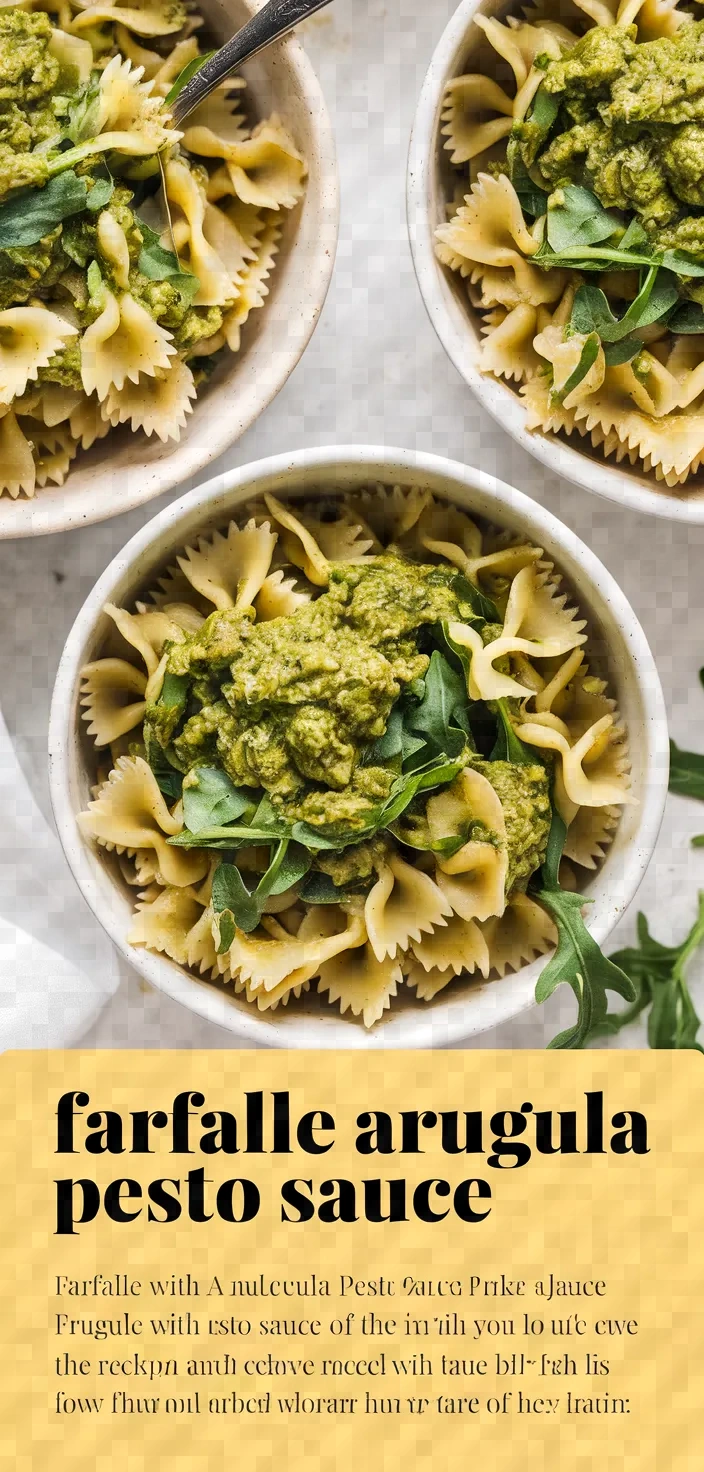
x=631 y=129
x=524 y=793
x=35 y=95
x=289 y=705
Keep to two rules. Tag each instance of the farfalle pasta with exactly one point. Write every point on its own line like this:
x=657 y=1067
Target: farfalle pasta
x=341 y=735
x=581 y=230
x=117 y=296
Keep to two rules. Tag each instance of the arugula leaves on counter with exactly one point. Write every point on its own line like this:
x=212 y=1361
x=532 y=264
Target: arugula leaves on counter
x=686 y=772
x=577 y=961
x=657 y=973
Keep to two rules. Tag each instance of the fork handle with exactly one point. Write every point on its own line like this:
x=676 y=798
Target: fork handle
x=274 y=20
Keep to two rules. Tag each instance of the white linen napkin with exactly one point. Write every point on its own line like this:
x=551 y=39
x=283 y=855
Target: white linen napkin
x=57 y=967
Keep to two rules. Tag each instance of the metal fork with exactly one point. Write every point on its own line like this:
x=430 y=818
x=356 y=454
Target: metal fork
x=274 y=20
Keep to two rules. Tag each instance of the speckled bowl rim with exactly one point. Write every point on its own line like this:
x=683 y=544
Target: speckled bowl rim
x=466 y=1012
x=448 y=311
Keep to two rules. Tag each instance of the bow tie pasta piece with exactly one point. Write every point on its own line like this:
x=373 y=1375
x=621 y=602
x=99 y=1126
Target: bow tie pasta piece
x=589 y=835
x=266 y=170
x=466 y=128
x=53 y=405
x=524 y=931
x=564 y=356
x=278 y=597
x=270 y=955
x=403 y=904
x=219 y=112
x=607 y=782
x=427 y=984
x=148 y=19
x=187 y=195
x=125 y=104
x=507 y=349
x=86 y=421
x=54 y=449
x=229 y=570
x=158 y=405
x=112 y=243
x=109 y=687
x=456 y=947
x=201 y=953
x=300 y=545
x=519 y=43
x=489 y=237
x=537 y=624
x=166 y=923
x=252 y=286
x=75 y=57
x=17 y=468
x=361 y=984
x=473 y=880
x=392 y=512
x=147 y=633
x=29 y=339
x=130 y=813
x=121 y=344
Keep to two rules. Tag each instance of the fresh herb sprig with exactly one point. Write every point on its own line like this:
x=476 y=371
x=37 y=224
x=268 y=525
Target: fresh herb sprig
x=577 y=960
x=658 y=975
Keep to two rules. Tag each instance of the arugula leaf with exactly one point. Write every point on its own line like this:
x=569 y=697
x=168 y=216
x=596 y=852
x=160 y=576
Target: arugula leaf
x=481 y=606
x=682 y=263
x=533 y=199
x=587 y=358
x=591 y=311
x=689 y=317
x=576 y=218
x=162 y=265
x=435 y=773
x=84 y=112
x=397 y=743
x=169 y=780
x=210 y=799
x=577 y=962
x=635 y=235
x=622 y=352
x=509 y=747
x=33 y=213
x=658 y=976
x=686 y=772
x=189 y=70
x=318 y=889
x=232 y=900
x=100 y=194
x=437 y=717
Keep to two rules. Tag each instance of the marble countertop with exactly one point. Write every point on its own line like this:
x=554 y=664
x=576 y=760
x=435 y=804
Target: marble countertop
x=376 y=373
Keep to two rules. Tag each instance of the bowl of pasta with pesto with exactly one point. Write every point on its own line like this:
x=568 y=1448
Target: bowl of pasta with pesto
x=556 y=210
x=157 y=285
x=342 y=745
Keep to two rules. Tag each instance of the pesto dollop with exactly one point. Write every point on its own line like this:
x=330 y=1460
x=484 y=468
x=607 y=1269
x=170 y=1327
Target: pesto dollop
x=631 y=128
x=299 y=710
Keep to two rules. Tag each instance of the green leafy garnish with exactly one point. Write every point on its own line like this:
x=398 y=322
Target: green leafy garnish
x=578 y=961
x=658 y=976
x=234 y=905
x=189 y=70
x=688 y=318
x=509 y=747
x=587 y=358
x=30 y=214
x=100 y=194
x=84 y=112
x=481 y=606
x=533 y=199
x=210 y=799
x=318 y=889
x=162 y=265
x=440 y=718
x=686 y=772
x=591 y=311
x=576 y=219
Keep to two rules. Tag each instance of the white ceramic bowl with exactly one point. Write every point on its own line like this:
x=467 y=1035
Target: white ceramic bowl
x=127 y=469
x=616 y=636
x=431 y=182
